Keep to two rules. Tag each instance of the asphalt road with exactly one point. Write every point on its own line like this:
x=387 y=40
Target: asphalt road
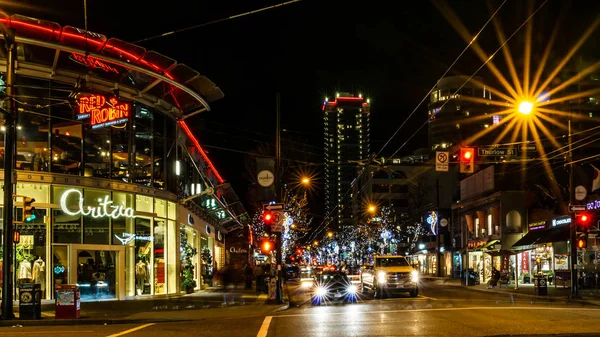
x=438 y=311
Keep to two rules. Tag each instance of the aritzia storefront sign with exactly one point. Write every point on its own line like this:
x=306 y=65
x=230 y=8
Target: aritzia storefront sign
x=102 y=111
x=105 y=207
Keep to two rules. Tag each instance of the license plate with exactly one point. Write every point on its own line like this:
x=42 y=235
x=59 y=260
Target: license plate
x=399 y=286
x=337 y=295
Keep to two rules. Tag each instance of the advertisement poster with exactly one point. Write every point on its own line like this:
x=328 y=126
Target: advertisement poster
x=505 y=264
x=525 y=261
x=65 y=298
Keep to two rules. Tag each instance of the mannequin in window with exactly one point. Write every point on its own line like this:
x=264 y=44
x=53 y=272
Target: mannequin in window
x=141 y=273
x=24 y=274
x=39 y=274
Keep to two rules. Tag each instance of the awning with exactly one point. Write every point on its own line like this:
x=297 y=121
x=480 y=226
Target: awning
x=503 y=252
x=490 y=244
x=526 y=241
x=555 y=234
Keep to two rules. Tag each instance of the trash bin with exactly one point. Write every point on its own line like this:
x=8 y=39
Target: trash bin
x=472 y=278
x=67 y=303
x=30 y=301
x=540 y=287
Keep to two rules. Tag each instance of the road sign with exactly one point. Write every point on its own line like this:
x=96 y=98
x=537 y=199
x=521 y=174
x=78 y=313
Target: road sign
x=277 y=225
x=577 y=208
x=528 y=148
x=441 y=161
x=274 y=207
x=496 y=152
x=580 y=192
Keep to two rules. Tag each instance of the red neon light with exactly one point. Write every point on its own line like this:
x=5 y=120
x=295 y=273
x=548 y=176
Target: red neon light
x=92 y=62
x=349 y=99
x=185 y=128
x=102 y=112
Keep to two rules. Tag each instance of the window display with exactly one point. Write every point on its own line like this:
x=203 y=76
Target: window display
x=96 y=274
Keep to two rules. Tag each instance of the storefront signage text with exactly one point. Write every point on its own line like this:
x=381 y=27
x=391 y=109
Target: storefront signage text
x=563 y=220
x=238 y=250
x=102 y=111
x=476 y=244
x=126 y=238
x=592 y=205
x=537 y=225
x=105 y=207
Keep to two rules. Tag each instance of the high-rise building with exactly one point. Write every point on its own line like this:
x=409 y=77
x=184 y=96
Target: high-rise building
x=347 y=144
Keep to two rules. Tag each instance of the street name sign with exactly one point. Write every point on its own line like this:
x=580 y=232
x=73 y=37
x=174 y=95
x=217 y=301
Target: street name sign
x=496 y=151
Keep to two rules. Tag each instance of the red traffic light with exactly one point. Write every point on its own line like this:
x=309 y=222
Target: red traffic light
x=466 y=154
x=584 y=218
x=266 y=246
x=299 y=251
x=268 y=218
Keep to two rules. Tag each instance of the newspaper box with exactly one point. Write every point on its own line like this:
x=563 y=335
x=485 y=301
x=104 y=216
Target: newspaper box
x=67 y=301
x=30 y=301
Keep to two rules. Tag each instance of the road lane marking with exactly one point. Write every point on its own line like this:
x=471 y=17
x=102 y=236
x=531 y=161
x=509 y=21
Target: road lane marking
x=131 y=330
x=439 y=309
x=264 y=328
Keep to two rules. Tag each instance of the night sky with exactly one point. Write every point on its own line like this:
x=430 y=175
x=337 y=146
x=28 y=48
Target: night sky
x=390 y=51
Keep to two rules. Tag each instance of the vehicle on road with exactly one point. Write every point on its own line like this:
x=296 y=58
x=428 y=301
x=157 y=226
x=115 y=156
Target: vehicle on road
x=333 y=286
x=390 y=274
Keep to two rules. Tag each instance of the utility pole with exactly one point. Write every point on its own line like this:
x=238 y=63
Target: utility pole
x=9 y=160
x=279 y=292
x=437 y=224
x=573 y=225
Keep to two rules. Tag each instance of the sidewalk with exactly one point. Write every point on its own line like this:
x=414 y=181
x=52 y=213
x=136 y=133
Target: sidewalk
x=236 y=303
x=555 y=293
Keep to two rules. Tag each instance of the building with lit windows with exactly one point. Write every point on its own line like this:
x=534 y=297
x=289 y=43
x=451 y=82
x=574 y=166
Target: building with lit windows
x=347 y=143
x=122 y=188
x=452 y=119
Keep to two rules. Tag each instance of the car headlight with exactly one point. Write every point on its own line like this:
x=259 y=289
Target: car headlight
x=381 y=277
x=352 y=289
x=321 y=291
x=414 y=276
x=306 y=284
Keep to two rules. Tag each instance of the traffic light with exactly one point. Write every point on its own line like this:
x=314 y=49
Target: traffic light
x=583 y=222
x=268 y=218
x=582 y=241
x=28 y=209
x=467 y=160
x=266 y=246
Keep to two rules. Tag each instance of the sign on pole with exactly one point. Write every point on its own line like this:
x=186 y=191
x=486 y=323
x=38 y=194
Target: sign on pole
x=274 y=207
x=277 y=225
x=577 y=208
x=441 y=161
x=496 y=152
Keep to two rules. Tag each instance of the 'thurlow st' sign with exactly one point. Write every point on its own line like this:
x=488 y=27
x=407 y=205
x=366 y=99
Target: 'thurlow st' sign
x=496 y=151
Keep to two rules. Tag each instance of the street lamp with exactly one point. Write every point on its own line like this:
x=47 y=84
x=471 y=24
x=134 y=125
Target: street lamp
x=316 y=243
x=525 y=107
x=372 y=208
x=330 y=234
x=305 y=181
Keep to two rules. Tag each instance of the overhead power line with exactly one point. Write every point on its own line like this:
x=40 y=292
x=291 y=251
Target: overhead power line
x=218 y=20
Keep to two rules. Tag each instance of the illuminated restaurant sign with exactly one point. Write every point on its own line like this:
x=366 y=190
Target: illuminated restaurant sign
x=92 y=62
x=105 y=207
x=101 y=111
x=562 y=220
x=537 y=225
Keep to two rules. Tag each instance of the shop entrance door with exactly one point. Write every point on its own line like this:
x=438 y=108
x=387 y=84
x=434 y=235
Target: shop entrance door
x=98 y=270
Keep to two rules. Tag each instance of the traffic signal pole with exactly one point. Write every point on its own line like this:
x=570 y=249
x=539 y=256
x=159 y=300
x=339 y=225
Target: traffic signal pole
x=278 y=245
x=573 y=225
x=9 y=159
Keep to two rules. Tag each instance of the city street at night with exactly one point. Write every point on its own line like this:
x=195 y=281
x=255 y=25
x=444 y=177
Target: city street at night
x=438 y=311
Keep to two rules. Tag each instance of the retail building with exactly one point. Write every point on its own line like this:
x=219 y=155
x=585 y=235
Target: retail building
x=125 y=197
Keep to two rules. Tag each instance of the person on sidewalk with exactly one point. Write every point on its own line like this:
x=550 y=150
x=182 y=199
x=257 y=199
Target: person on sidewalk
x=248 y=273
x=259 y=276
x=493 y=282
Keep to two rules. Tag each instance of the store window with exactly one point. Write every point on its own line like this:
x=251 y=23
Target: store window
x=160 y=208
x=172 y=210
x=66 y=227
x=66 y=147
x=143 y=249
x=120 y=153
x=159 y=256
x=40 y=192
x=122 y=227
x=189 y=257
x=144 y=204
x=33 y=152
x=60 y=264
x=96 y=229
x=97 y=152
x=30 y=252
x=96 y=274
x=160 y=151
x=143 y=146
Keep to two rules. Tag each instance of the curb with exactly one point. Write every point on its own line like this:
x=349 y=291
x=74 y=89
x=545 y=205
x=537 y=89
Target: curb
x=59 y=322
